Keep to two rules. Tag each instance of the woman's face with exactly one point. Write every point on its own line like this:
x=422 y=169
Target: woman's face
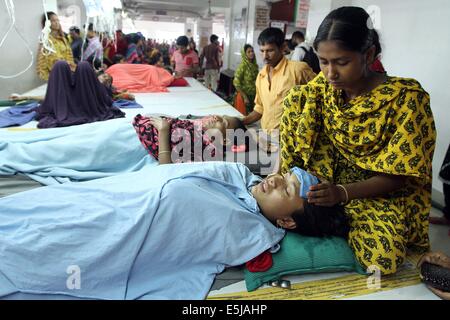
x=250 y=53
x=342 y=68
x=278 y=196
x=55 y=25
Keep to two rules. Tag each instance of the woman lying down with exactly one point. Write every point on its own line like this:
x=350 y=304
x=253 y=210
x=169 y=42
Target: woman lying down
x=102 y=149
x=161 y=233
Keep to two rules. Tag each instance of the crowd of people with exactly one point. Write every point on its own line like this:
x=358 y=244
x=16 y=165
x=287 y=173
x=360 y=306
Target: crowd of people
x=102 y=50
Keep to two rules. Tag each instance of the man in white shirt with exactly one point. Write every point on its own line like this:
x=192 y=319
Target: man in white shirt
x=298 y=38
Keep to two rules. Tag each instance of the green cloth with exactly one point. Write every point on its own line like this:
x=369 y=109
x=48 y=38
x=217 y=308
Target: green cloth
x=245 y=75
x=12 y=103
x=301 y=255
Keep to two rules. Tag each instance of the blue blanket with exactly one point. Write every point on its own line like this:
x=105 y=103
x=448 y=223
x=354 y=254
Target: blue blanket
x=77 y=153
x=161 y=233
x=127 y=104
x=18 y=115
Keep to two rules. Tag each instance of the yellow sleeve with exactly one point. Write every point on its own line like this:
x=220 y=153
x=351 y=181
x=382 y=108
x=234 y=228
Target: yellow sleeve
x=289 y=125
x=42 y=66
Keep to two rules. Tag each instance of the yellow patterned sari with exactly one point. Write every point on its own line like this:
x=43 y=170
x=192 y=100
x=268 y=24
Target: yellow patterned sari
x=389 y=130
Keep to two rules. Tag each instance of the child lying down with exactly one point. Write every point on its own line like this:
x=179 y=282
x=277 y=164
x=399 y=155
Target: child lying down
x=163 y=232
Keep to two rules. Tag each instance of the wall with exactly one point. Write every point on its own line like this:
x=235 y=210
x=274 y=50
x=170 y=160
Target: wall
x=414 y=36
x=15 y=56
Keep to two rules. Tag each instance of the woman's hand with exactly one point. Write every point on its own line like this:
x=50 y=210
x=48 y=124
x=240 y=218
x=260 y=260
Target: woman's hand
x=246 y=100
x=161 y=124
x=437 y=258
x=326 y=194
x=440 y=259
x=16 y=97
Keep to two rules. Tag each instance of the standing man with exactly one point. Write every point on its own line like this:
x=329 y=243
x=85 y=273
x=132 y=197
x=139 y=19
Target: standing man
x=184 y=61
x=301 y=47
x=77 y=43
x=212 y=54
x=277 y=77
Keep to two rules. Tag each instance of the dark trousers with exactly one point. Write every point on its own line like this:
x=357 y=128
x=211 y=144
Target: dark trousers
x=446 y=209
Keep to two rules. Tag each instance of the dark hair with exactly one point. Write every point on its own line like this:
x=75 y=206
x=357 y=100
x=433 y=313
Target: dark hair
x=75 y=29
x=271 y=36
x=46 y=16
x=351 y=27
x=298 y=34
x=95 y=62
x=133 y=38
x=155 y=58
x=318 y=221
x=213 y=38
x=183 y=41
x=247 y=46
x=117 y=58
x=291 y=45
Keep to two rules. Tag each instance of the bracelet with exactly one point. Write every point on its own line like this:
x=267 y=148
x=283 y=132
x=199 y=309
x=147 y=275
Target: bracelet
x=346 y=194
x=162 y=152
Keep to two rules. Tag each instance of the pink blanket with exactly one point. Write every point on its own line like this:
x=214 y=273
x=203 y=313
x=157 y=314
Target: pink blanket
x=140 y=77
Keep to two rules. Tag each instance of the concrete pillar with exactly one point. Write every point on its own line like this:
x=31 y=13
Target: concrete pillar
x=205 y=31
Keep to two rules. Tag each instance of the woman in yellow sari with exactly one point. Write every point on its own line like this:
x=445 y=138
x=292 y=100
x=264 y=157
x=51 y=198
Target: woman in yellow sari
x=371 y=138
x=62 y=50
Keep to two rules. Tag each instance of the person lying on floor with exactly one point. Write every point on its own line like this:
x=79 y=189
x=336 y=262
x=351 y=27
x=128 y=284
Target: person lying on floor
x=161 y=233
x=74 y=98
x=168 y=139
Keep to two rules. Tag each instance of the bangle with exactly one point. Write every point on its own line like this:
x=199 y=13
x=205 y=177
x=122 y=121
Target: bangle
x=346 y=194
x=162 y=152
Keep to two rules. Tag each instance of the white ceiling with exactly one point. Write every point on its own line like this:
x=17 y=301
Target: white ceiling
x=146 y=9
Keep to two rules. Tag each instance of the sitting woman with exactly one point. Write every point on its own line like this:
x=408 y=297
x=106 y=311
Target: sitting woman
x=135 y=235
x=370 y=136
x=59 y=47
x=74 y=98
x=174 y=140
